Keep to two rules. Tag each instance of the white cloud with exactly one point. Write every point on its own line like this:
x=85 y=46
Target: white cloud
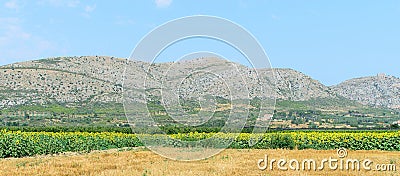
x=60 y=3
x=86 y=9
x=12 y=4
x=124 y=21
x=16 y=43
x=10 y=29
x=73 y=3
x=163 y=3
x=89 y=9
x=275 y=17
x=243 y=4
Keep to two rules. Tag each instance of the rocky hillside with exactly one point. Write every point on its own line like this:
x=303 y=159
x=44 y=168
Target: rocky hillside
x=296 y=86
x=61 y=80
x=380 y=90
x=89 y=79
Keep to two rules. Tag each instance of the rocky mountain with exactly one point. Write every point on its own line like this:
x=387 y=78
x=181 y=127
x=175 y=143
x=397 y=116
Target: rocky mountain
x=90 y=79
x=296 y=86
x=66 y=80
x=380 y=90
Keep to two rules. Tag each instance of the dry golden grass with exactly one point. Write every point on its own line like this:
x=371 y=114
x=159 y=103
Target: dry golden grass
x=144 y=162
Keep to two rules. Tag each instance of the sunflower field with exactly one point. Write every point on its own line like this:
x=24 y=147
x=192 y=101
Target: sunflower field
x=20 y=144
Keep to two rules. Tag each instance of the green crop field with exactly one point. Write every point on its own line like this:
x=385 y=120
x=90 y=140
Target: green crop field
x=20 y=144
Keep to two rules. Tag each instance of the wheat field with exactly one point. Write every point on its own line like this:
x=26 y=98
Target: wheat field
x=144 y=162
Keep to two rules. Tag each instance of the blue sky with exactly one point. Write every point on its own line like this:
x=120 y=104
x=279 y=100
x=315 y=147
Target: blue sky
x=329 y=40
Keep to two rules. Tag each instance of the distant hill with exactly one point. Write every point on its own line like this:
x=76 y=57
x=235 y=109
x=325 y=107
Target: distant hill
x=88 y=91
x=379 y=91
x=61 y=80
x=92 y=79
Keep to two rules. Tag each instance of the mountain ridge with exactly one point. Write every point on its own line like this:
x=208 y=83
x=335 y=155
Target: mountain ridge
x=99 y=78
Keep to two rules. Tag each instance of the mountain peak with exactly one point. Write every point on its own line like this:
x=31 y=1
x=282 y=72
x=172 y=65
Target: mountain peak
x=381 y=90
